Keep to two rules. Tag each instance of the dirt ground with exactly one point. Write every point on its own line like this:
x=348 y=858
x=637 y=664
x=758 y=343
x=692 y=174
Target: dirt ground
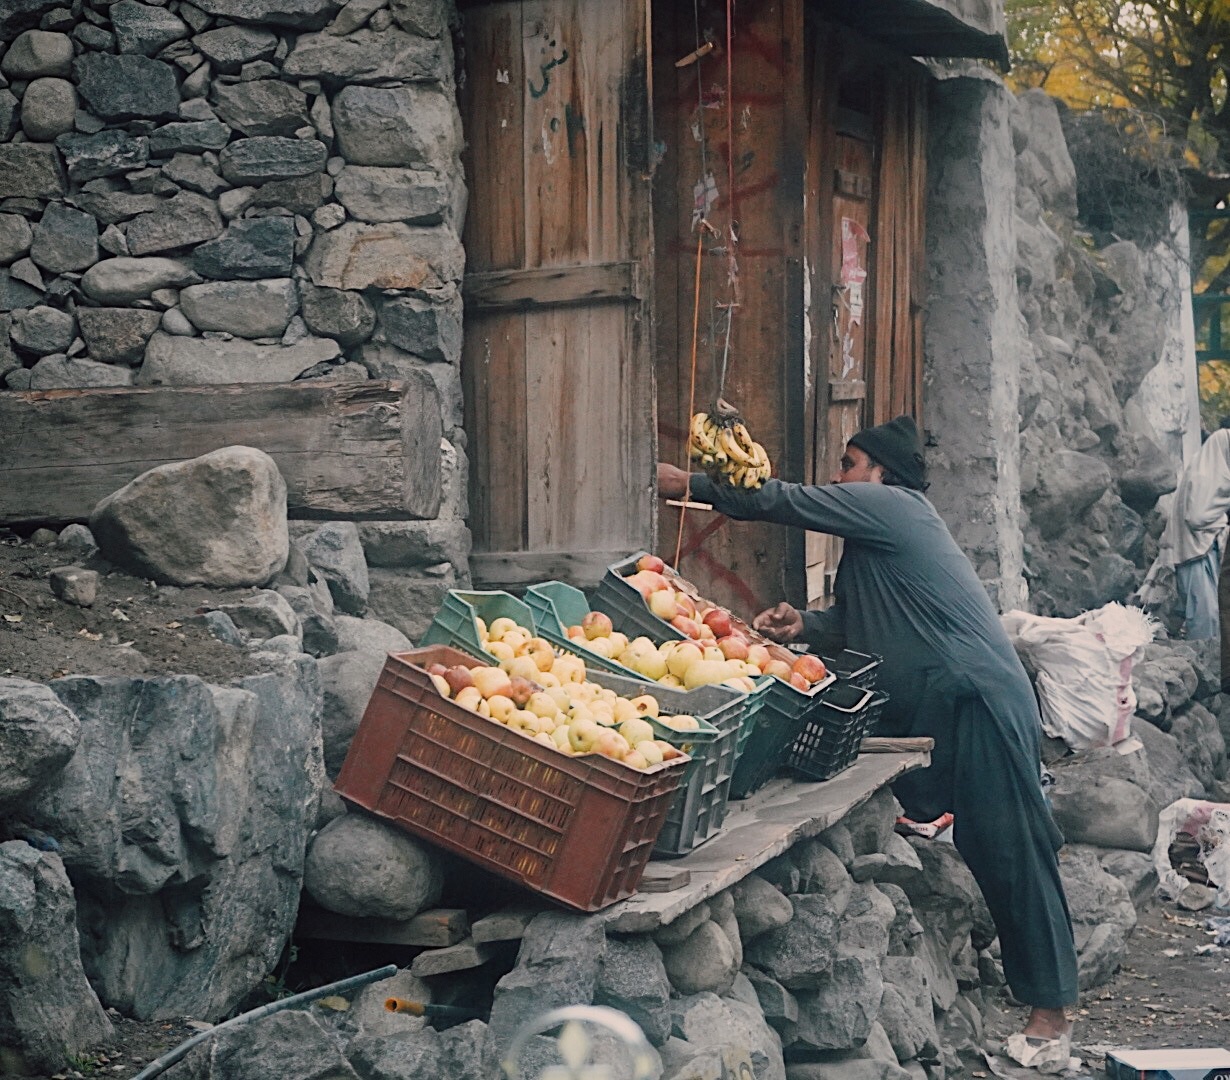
x=133 y=627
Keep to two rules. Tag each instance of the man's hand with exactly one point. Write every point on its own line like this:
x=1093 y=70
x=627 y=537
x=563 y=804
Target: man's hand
x=781 y=624
x=672 y=482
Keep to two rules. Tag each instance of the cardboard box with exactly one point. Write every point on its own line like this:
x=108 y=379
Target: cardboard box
x=1192 y=1064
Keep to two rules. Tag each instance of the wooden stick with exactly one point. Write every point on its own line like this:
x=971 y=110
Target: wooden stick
x=695 y=55
x=881 y=745
x=687 y=504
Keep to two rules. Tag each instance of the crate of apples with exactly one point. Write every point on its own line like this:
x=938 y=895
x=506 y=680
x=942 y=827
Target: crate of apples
x=674 y=602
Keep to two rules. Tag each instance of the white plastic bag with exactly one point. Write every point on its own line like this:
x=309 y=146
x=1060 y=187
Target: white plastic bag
x=1084 y=668
x=1209 y=823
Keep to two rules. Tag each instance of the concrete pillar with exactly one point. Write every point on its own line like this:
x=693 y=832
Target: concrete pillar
x=975 y=336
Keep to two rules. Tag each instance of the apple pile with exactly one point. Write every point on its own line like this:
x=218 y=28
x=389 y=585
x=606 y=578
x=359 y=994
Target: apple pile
x=710 y=628
x=546 y=697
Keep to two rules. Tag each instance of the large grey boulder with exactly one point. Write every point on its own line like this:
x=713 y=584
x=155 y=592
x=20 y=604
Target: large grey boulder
x=42 y=330
x=38 y=53
x=426 y=329
x=172 y=360
x=117 y=335
x=362 y=867
x=906 y=1013
x=105 y=153
x=416 y=544
x=228 y=48
x=122 y=280
x=31 y=171
x=704 y=961
x=298 y=14
x=559 y=964
x=409 y=599
x=1101 y=956
x=799 y=954
x=253 y=248
x=453 y=1054
x=346 y=317
x=1202 y=744
x=48 y=109
x=264 y=614
x=368 y=56
x=15 y=237
x=633 y=980
x=837 y=1014
x=59 y=372
x=140 y=28
x=271 y=157
x=288 y=1043
x=219 y=519
x=130 y=87
x=250 y=309
x=1068 y=484
x=1043 y=148
x=48 y=1010
x=1094 y=896
x=390 y=256
x=186 y=219
x=347 y=681
x=1104 y=811
x=375 y=193
x=261 y=107
x=38 y=735
x=708 y=1022
x=335 y=553
x=64 y=239
x=403 y=127
x=183 y=817
x=369 y=635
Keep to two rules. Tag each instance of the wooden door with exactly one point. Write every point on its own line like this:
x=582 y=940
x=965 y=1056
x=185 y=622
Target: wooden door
x=556 y=363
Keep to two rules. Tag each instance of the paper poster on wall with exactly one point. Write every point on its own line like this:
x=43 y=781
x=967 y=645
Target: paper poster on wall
x=853 y=236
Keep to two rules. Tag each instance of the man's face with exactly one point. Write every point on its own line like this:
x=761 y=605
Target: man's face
x=857 y=467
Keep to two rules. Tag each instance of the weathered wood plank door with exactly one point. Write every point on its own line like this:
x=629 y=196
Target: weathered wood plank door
x=556 y=365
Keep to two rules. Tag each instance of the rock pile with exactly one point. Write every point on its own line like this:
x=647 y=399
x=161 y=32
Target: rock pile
x=216 y=192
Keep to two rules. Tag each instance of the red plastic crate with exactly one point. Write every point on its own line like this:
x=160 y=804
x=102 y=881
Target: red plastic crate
x=576 y=829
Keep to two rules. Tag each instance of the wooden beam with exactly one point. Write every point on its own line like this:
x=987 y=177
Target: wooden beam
x=355 y=450
x=517 y=569
x=521 y=290
x=439 y=927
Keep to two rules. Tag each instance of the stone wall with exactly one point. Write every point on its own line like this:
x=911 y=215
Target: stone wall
x=238 y=191
x=1034 y=326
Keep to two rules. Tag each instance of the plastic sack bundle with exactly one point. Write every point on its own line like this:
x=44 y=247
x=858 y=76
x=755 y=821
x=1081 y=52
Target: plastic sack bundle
x=1084 y=670
x=1209 y=823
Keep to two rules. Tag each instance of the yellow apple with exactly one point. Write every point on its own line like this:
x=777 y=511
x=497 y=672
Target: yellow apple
x=653 y=665
x=441 y=684
x=491 y=681
x=636 y=730
x=500 y=627
x=501 y=707
x=672 y=681
x=712 y=652
x=682 y=722
x=582 y=734
x=618 y=641
x=663 y=604
x=468 y=697
x=560 y=737
x=481 y=627
x=596 y=624
x=704 y=673
x=684 y=655
x=645 y=705
x=523 y=720
x=500 y=650
x=545 y=738
x=650 y=751
x=610 y=743
x=523 y=666
x=542 y=704
x=634 y=757
x=624 y=710
x=516 y=640
x=600 y=645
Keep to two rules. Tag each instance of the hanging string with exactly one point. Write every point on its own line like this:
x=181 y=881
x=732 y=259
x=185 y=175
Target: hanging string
x=687 y=461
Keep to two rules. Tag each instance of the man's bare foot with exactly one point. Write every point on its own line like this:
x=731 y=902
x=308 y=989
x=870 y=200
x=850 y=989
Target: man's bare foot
x=1048 y=1023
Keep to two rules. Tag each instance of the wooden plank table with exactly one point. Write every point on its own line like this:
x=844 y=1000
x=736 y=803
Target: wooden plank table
x=756 y=830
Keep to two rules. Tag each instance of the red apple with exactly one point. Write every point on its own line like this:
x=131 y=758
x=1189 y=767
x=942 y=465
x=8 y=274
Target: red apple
x=458 y=678
x=596 y=624
x=436 y=669
x=522 y=690
x=650 y=562
x=646 y=582
x=758 y=655
x=686 y=626
x=717 y=620
x=779 y=668
x=733 y=647
x=799 y=682
x=810 y=667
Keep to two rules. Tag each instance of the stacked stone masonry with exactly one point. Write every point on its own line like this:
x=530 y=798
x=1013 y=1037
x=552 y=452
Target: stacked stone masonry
x=228 y=192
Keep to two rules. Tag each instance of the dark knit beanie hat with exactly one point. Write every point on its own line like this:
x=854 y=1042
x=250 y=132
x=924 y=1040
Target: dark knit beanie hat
x=897 y=447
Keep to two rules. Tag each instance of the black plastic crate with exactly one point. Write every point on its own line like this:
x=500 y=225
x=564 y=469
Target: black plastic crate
x=829 y=739
x=858 y=668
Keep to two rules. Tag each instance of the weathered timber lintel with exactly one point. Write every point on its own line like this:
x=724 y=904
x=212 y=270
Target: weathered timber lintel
x=356 y=450
x=521 y=290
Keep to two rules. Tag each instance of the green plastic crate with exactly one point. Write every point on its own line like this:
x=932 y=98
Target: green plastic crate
x=557 y=605
x=454 y=623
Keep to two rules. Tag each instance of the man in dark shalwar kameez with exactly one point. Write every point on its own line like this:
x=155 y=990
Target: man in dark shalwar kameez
x=906 y=592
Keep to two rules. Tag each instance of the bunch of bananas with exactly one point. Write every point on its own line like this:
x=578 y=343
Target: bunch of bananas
x=726 y=450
